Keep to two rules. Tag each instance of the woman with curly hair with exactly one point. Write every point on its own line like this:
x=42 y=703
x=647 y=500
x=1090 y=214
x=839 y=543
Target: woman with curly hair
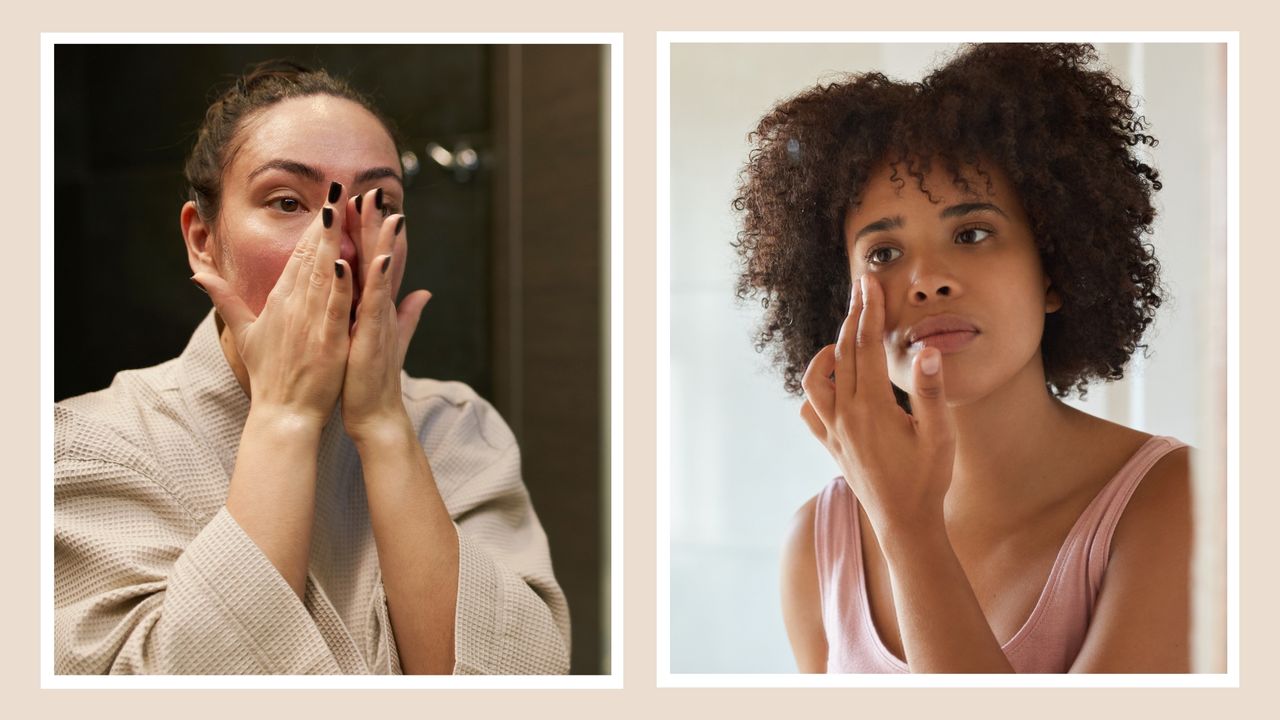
x=940 y=263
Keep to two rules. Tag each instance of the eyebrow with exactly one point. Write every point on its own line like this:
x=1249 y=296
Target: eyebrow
x=378 y=173
x=895 y=222
x=969 y=208
x=313 y=174
x=880 y=225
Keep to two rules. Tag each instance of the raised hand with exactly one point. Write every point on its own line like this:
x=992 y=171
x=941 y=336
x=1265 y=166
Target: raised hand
x=366 y=217
x=897 y=464
x=380 y=337
x=295 y=351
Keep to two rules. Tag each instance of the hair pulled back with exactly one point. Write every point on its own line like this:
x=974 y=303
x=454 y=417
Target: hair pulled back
x=260 y=87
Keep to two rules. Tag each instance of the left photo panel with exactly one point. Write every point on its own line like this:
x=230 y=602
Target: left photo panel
x=330 y=359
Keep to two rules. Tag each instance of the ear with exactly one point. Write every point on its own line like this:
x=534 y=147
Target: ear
x=1052 y=298
x=199 y=239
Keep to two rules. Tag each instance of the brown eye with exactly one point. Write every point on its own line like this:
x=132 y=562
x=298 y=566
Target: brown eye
x=972 y=236
x=882 y=255
x=286 y=205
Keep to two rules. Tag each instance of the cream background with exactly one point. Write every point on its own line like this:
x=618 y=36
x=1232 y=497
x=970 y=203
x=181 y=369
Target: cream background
x=1259 y=533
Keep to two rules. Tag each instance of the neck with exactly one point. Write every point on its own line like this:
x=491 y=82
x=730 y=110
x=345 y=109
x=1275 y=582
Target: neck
x=1006 y=444
x=229 y=350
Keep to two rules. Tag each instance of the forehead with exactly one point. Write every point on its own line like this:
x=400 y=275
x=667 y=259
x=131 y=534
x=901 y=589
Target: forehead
x=333 y=134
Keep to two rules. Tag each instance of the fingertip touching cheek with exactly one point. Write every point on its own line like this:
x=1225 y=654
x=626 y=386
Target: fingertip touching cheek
x=279 y=181
x=959 y=269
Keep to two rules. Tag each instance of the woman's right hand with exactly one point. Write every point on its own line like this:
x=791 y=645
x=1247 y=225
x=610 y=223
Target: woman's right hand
x=295 y=351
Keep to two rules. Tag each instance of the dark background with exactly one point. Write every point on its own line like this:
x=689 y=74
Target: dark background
x=514 y=253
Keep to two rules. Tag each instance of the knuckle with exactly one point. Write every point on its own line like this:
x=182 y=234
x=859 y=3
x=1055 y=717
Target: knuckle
x=808 y=411
x=862 y=338
x=930 y=392
x=304 y=251
x=335 y=313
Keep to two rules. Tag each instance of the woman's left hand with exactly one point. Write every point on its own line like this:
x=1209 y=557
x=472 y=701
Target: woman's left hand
x=381 y=334
x=897 y=464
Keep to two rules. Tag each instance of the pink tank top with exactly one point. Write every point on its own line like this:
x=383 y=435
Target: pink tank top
x=1048 y=641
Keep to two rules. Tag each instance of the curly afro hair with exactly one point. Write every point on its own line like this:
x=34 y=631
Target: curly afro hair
x=1063 y=133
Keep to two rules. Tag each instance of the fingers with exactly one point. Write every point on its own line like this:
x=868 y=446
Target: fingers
x=846 y=370
x=230 y=307
x=369 y=220
x=337 y=316
x=302 y=262
x=407 y=316
x=870 y=359
x=929 y=399
x=819 y=390
x=328 y=247
x=376 y=307
x=811 y=418
x=393 y=240
x=391 y=227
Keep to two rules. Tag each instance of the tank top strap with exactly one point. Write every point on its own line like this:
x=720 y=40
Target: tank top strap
x=1100 y=519
x=853 y=645
x=834 y=543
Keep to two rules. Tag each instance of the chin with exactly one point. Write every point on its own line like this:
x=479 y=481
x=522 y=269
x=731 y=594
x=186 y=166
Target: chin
x=962 y=385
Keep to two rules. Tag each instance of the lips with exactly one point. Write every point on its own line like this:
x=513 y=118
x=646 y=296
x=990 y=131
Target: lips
x=946 y=332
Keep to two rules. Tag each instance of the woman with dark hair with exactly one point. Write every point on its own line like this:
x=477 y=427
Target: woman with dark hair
x=282 y=498
x=985 y=225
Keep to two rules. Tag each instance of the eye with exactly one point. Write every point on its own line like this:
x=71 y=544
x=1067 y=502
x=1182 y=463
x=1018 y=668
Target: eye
x=972 y=236
x=882 y=255
x=389 y=208
x=286 y=204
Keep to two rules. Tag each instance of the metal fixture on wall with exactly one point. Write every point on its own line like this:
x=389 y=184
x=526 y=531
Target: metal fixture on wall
x=463 y=161
x=409 y=162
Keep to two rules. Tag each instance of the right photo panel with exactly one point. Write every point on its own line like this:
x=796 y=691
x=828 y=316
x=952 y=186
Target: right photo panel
x=947 y=381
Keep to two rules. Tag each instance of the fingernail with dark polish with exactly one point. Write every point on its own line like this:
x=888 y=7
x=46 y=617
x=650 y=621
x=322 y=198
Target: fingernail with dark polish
x=197 y=284
x=386 y=264
x=335 y=191
x=399 y=225
x=326 y=216
x=337 y=268
x=359 y=202
x=377 y=199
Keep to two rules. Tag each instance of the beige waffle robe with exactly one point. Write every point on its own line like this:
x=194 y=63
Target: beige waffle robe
x=152 y=575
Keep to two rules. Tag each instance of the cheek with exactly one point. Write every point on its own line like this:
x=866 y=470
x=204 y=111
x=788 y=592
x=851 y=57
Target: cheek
x=896 y=357
x=255 y=260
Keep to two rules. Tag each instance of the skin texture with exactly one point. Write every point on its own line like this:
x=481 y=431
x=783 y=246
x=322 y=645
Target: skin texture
x=296 y=345
x=967 y=500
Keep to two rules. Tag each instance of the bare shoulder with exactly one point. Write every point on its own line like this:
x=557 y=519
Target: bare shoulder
x=1143 y=612
x=799 y=558
x=1158 y=511
x=801 y=595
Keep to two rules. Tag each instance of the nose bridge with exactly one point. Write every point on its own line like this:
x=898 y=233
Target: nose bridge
x=931 y=274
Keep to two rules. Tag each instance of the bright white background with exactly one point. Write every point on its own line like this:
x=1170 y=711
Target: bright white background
x=741 y=461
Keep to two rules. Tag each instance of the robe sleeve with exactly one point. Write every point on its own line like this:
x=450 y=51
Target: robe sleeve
x=512 y=617
x=143 y=586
